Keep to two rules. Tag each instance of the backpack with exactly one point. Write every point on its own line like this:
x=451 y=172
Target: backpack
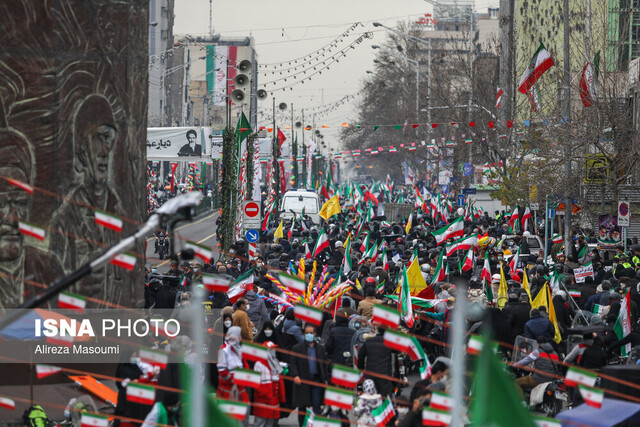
x=34 y=416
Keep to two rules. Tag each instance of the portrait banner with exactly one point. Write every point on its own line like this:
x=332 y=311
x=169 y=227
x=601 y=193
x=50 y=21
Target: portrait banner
x=178 y=143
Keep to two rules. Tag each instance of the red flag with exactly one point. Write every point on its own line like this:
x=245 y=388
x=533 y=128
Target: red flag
x=281 y=139
x=283 y=179
x=325 y=193
x=368 y=195
x=174 y=165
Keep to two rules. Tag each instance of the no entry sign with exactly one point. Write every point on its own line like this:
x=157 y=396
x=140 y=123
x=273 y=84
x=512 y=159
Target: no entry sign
x=251 y=214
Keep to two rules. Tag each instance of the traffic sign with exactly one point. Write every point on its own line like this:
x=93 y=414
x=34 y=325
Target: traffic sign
x=250 y=214
x=551 y=214
x=252 y=236
x=534 y=206
x=468 y=191
x=624 y=214
x=460 y=200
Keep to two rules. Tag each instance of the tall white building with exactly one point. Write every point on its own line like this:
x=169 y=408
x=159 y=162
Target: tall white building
x=160 y=49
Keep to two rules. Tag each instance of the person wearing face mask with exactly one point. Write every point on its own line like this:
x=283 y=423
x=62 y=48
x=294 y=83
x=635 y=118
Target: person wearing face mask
x=230 y=359
x=164 y=412
x=271 y=391
x=268 y=333
x=307 y=364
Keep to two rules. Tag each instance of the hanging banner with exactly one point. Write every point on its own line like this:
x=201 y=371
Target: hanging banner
x=609 y=235
x=257 y=172
x=283 y=178
x=182 y=143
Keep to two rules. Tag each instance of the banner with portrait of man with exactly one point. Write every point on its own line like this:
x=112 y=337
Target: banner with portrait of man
x=178 y=143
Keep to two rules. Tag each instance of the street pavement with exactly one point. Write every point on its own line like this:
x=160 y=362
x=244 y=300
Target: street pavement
x=202 y=230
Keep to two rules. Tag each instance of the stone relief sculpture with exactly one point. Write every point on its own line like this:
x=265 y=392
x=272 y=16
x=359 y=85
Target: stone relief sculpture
x=73 y=76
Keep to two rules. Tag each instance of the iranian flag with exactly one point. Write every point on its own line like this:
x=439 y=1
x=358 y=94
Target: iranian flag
x=308 y=314
x=364 y=246
x=592 y=396
x=235 y=410
x=240 y=286
x=321 y=244
x=141 y=393
x=397 y=341
x=324 y=422
x=450 y=231
x=255 y=352
x=474 y=346
x=575 y=293
x=202 y=252
x=499 y=94
x=125 y=260
x=91 y=420
x=513 y=220
x=155 y=358
x=589 y=81
x=383 y=414
x=345 y=376
x=69 y=301
x=525 y=218
x=463 y=244
x=109 y=221
x=577 y=376
x=385 y=316
x=337 y=397
x=406 y=309
x=31 y=230
x=415 y=350
x=546 y=422
x=385 y=260
x=21 y=185
x=43 y=371
x=434 y=417
x=65 y=340
x=347 y=264
x=622 y=327
x=441 y=401
x=515 y=260
x=214 y=283
x=5 y=402
x=246 y=377
x=294 y=284
x=539 y=64
x=468 y=262
x=557 y=238
x=442 y=269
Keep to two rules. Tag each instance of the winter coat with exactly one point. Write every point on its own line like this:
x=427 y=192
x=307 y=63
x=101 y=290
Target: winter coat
x=477 y=296
x=299 y=367
x=339 y=341
x=374 y=356
x=365 y=308
x=257 y=309
x=517 y=316
x=539 y=326
x=241 y=318
x=545 y=363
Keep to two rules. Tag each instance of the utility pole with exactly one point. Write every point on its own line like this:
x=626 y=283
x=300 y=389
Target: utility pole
x=567 y=147
x=275 y=152
x=506 y=42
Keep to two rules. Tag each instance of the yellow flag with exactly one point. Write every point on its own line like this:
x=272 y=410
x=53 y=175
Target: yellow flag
x=416 y=281
x=541 y=298
x=409 y=221
x=358 y=286
x=502 y=290
x=279 y=234
x=525 y=284
x=330 y=208
x=346 y=242
x=552 y=317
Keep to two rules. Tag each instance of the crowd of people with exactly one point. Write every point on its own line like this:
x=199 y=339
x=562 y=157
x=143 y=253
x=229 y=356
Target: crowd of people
x=301 y=355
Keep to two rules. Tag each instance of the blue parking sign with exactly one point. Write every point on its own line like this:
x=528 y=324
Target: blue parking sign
x=252 y=236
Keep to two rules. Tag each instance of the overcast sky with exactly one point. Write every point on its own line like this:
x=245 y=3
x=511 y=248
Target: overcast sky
x=287 y=29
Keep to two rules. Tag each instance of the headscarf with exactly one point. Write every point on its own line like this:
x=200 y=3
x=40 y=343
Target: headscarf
x=369 y=387
x=234 y=337
x=274 y=363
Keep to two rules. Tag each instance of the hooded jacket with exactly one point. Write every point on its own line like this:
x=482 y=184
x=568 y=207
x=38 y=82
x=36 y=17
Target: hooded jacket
x=257 y=311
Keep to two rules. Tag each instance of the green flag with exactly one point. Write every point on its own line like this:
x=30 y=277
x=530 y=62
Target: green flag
x=243 y=130
x=215 y=417
x=495 y=399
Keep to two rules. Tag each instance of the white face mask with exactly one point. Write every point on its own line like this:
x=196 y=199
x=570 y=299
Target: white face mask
x=268 y=332
x=228 y=323
x=247 y=307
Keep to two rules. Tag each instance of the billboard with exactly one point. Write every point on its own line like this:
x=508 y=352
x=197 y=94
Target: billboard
x=179 y=143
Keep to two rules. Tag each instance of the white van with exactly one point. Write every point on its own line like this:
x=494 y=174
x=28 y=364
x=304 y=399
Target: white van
x=295 y=201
